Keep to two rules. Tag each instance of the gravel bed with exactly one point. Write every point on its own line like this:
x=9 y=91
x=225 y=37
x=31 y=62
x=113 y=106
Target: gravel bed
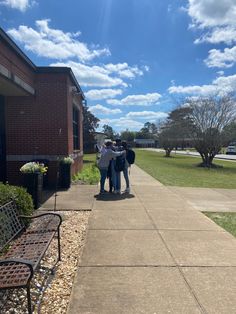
x=51 y=291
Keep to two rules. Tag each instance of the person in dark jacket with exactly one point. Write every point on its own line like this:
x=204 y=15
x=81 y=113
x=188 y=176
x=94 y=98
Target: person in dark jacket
x=125 y=171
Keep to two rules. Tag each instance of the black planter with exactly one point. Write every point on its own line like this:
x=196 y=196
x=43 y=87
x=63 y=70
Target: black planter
x=33 y=182
x=65 y=175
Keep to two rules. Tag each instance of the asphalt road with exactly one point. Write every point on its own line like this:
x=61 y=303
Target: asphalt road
x=194 y=154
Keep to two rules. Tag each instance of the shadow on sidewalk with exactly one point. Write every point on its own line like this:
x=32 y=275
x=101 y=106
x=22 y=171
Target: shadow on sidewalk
x=113 y=197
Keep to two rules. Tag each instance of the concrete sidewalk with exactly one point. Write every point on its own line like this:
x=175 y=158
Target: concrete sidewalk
x=152 y=252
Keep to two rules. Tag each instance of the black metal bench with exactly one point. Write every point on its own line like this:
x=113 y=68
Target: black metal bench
x=24 y=254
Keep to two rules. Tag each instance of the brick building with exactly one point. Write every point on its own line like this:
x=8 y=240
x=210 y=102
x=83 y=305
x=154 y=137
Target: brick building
x=40 y=114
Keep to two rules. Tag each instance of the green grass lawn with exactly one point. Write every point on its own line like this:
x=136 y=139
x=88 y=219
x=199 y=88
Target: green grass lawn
x=90 y=173
x=89 y=159
x=180 y=170
x=225 y=220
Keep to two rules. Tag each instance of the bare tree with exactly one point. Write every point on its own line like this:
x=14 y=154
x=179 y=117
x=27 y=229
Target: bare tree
x=209 y=117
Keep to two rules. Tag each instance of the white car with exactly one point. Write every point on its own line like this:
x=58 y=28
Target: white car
x=231 y=149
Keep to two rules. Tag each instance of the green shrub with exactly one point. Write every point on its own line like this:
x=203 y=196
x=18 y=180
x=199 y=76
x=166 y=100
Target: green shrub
x=23 y=200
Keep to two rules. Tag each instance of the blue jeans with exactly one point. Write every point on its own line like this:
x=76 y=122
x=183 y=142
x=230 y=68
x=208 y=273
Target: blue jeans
x=126 y=176
x=117 y=181
x=115 y=177
x=103 y=173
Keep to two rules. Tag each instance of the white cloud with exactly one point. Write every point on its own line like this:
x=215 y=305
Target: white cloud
x=147 y=115
x=225 y=35
x=21 y=5
x=98 y=94
x=218 y=19
x=226 y=84
x=92 y=75
x=137 y=100
x=100 y=76
x=220 y=73
x=124 y=70
x=220 y=86
x=54 y=43
x=122 y=123
x=99 y=109
x=67 y=50
x=193 y=89
x=210 y=13
x=221 y=59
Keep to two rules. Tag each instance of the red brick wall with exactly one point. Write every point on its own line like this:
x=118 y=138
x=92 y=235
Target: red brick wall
x=15 y=64
x=42 y=124
x=77 y=100
x=33 y=122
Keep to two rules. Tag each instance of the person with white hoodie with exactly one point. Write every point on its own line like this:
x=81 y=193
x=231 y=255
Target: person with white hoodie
x=106 y=154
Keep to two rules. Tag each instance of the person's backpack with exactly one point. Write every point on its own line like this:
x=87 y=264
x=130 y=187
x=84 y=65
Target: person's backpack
x=130 y=156
x=119 y=163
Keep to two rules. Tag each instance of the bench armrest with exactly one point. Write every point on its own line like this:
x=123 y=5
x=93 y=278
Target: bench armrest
x=29 y=264
x=41 y=215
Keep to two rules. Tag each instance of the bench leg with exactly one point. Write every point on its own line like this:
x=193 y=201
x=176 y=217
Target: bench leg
x=29 y=300
x=59 y=244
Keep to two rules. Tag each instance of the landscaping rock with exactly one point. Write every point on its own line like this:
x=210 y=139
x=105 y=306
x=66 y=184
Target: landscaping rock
x=50 y=292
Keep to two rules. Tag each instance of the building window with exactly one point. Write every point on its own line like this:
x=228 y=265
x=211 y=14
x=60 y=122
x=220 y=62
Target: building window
x=75 y=128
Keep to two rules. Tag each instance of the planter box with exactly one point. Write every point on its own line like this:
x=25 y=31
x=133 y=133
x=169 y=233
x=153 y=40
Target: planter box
x=65 y=176
x=33 y=182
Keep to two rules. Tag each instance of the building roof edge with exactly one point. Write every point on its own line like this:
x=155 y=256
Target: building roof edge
x=14 y=46
x=68 y=70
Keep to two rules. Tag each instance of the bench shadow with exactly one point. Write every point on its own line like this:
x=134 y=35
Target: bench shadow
x=113 y=197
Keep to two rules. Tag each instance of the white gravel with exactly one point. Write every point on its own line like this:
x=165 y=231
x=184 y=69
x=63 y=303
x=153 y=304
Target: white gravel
x=51 y=292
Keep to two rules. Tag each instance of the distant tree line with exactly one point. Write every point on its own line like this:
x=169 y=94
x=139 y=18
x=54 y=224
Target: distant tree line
x=148 y=131
x=205 y=123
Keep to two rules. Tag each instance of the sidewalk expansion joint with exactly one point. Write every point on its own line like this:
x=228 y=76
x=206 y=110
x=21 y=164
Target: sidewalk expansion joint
x=157 y=266
x=191 y=290
x=127 y=266
x=121 y=229
x=156 y=229
x=66 y=210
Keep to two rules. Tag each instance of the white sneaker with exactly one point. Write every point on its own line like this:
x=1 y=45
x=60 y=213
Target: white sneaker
x=117 y=192
x=127 y=190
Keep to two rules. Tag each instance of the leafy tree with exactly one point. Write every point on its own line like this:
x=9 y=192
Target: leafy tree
x=210 y=117
x=127 y=135
x=175 y=130
x=167 y=138
x=90 y=123
x=148 y=131
x=108 y=130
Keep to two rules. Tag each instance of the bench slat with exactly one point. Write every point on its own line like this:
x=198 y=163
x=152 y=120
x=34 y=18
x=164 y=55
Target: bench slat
x=31 y=247
x=10 y=224
x=25 y=253
x=14 y=275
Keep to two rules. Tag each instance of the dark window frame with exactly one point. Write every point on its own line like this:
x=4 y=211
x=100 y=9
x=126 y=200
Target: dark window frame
x=75 y=121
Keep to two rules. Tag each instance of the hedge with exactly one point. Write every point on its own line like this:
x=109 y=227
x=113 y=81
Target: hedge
x=23 y=200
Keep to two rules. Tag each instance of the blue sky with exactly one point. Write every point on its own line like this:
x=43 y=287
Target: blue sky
x=134 y=59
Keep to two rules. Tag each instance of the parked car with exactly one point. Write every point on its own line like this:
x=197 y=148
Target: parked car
x=231 y=149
